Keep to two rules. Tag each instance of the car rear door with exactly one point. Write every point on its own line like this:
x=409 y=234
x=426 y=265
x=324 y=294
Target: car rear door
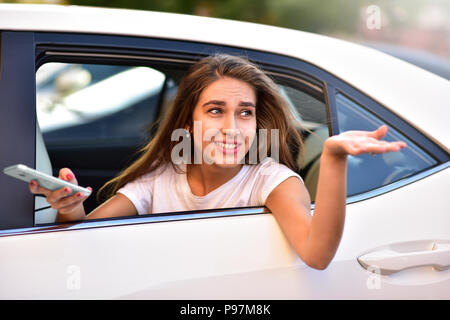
x=218 y=253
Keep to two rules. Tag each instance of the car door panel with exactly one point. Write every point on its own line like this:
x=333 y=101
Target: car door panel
x=219 y=258
x=117 y=261
x=405 y=215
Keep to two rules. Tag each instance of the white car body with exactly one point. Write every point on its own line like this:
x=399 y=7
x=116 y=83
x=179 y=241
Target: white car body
x=247 y=257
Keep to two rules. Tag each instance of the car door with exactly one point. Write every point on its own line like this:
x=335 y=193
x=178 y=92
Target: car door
x=184 y=254
x=222 y=253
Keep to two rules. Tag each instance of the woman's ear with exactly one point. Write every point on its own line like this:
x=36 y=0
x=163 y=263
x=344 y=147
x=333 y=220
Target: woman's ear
x=188 y=133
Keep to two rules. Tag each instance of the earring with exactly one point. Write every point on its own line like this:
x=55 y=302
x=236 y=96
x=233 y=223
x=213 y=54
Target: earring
x=188 y=135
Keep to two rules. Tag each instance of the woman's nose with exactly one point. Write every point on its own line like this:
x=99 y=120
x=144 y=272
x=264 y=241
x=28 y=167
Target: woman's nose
x=229 y=125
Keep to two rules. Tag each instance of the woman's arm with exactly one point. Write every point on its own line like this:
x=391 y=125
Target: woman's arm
x=117 y=206
x=316 y=239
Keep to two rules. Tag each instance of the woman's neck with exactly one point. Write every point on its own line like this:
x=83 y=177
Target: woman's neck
x=204 y=178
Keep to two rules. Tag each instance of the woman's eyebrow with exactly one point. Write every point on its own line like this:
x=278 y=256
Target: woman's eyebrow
x=215 y=102
x=222 y=103
x=246 y=104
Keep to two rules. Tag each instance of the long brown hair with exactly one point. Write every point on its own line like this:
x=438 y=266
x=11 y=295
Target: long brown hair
x=272 y=112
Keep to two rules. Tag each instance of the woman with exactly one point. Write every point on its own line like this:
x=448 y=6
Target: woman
x=221 y=105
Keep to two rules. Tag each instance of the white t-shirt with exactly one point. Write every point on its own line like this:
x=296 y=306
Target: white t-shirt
x=165 y=190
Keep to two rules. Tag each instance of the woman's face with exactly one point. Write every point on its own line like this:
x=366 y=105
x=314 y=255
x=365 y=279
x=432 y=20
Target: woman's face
x=226 y=115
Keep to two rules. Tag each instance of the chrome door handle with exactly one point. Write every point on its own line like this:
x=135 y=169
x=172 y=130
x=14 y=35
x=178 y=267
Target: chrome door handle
x=389 y=261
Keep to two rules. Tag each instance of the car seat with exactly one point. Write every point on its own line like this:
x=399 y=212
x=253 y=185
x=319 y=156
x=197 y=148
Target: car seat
x=43 y=213
x=313 y=146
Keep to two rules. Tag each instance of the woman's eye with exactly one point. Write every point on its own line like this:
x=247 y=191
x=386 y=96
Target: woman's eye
x=246 y=113
x=214 y=111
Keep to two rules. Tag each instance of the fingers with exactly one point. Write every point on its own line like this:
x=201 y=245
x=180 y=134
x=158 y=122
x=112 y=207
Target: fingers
x=62 y=199
x=384 y=146
x=36 y=189
x=360 y=142
x=374 y=146
x=56 y=195
x=380 y=132
x=64 y=174
x=67 y=204
x=67 y=175
x=379 y=146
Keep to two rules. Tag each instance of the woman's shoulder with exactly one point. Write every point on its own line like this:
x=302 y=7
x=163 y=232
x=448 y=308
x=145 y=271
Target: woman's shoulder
x=270 y=166
x=161 y=170
x=267 y=175
x=269 y=171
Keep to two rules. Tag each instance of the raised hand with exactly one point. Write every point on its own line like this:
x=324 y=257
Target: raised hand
x=358 y=142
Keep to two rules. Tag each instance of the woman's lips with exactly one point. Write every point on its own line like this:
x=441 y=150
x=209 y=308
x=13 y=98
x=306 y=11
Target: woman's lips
x=228 y=148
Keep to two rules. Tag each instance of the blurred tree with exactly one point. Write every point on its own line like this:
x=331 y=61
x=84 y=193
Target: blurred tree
x=317 y=16
x=308 y=15
x=185 y=6
x=249 y=10
x=400 y=19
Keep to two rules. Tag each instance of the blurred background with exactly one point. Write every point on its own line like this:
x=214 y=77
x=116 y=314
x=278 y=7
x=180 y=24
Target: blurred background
x=415 y=30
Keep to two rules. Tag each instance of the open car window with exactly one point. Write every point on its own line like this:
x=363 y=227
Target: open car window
x=93 y=118
x=79 y=102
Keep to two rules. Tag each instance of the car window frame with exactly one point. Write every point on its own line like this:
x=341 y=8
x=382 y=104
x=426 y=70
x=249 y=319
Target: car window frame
x=18 y=120
x=88 y=54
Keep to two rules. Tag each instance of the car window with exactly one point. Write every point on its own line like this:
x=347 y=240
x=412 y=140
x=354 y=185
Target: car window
x=366 y=172
x=93 y=118
x=80 y=103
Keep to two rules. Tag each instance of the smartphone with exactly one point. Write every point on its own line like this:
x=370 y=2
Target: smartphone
x=24 y=173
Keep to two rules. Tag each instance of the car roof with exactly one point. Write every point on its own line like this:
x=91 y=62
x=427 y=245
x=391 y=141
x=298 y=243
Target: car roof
x=418 y=96
x=423 y=59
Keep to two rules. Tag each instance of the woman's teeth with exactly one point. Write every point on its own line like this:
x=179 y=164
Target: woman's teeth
x=227 y=145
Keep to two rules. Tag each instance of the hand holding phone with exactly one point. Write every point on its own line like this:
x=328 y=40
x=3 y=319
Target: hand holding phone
x=24 y=173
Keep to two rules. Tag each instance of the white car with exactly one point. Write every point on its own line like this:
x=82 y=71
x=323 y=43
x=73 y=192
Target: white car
x=67 y=100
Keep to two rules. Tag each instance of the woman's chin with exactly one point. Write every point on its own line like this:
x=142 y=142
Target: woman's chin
x=227 y=165
x=228 y=162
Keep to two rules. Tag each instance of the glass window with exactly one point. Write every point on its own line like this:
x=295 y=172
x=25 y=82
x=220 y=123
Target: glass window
x=81 y=103
x=367 y=172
